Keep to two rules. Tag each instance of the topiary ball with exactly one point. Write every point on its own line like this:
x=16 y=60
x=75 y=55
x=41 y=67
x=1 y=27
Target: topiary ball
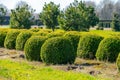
x=10 y=40
x=32 y=48
x=21 y=39
x=57 y=50
x=118 y=62
x=2 y=37
x=108 y=49
x=74 y=38
x=88 y=46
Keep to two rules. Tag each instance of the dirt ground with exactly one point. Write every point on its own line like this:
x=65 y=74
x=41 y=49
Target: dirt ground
x=92 y=67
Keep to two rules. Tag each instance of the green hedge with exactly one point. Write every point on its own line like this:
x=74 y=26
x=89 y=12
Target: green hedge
x=108 y=49
x=21 y=39
x=2 y=38
x=74 y=38
x=57 y=50
x=32 y=48
x=88 y=45
x=10 y=40
x=118 y=62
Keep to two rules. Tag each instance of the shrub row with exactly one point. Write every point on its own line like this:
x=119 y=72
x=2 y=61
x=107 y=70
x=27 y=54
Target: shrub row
x=61 y=47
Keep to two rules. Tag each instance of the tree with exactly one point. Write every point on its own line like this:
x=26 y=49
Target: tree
x=78 y=17
x=3 y=11
x=49 y=15
x=116 y=22
x=22 y=16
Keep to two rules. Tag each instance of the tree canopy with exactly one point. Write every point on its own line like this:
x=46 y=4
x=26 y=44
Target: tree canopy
x=3 y=11
x=78 y=17
x=49 y=15
x=116 y=22
x=22 y=16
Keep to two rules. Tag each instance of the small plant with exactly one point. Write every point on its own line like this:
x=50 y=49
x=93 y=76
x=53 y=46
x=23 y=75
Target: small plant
x=21 y=39
x=10 y=40
x=32 y=48
x=88 y=46
x=57 y=50
x=108 y=49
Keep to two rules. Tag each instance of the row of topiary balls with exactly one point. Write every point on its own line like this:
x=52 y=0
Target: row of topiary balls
x=61 y=47
x=51 y=48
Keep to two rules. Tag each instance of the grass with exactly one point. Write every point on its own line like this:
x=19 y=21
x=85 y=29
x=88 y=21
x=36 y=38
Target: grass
x=12 y=70
x=103 y=33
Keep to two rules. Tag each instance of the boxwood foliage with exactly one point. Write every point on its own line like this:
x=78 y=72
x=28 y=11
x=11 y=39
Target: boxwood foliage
x=2 y=38
x=40 y=33
x=34 y=30
x=55 y=34
x=10 y=40
x=21 y=39
x=118 y=62
x=88 y=46
x=57 y=50
x=108 y=49
x=32 y=48
x=74 y=38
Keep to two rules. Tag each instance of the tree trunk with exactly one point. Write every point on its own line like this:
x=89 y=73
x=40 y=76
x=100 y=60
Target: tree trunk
x=53 y=29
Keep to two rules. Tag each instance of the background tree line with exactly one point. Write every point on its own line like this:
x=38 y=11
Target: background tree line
x=77 y=16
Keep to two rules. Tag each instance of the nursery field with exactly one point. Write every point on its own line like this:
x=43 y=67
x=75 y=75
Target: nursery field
x=12 y=70
x=59 y=55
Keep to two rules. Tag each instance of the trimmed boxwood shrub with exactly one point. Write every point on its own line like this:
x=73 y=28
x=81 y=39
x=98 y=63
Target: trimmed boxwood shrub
x=21 y=39
x=2 y=38
x=108 y=49
x=88 y=46
x=118 y=62
x=10 y=40
x=74 y=38
x=57 y=50
x=32 y=48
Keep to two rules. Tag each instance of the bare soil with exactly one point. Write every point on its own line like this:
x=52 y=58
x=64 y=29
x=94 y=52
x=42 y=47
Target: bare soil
x=92 y=67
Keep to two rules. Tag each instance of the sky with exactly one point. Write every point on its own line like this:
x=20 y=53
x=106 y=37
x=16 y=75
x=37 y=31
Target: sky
x=38 y=4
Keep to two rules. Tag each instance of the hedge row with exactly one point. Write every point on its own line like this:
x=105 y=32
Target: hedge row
x=61 y=47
